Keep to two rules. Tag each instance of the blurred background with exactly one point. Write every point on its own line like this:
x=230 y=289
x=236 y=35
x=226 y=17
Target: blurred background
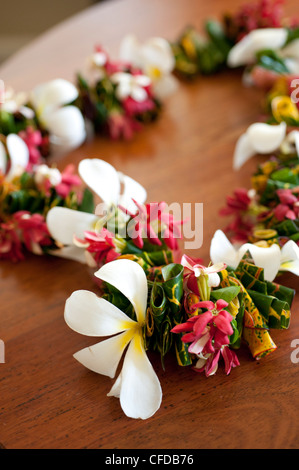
x=21 y=22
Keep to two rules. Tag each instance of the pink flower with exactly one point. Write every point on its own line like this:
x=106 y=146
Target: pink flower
x=286 y=196
x=288 y=207
x=34 y=140
x=69 y=181
x=209 y=330
x=101 y=244
x=262 y=14
x=238 y=206
x=209 y=363
x=23 y=228
x=34 y=230
x=133 y=107
x=10 y=244
x=149 y=221
x=122 y=126
x=237 y=203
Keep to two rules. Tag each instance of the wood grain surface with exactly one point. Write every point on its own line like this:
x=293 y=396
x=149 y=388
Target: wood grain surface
x=47 y=399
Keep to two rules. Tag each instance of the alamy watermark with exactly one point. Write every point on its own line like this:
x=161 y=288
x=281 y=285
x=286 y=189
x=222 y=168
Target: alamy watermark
x=163 y=219
x=2 y=352
x=295 y=92
x=295 y=353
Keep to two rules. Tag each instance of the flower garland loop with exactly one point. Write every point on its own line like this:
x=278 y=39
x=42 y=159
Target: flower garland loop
x=152 y=297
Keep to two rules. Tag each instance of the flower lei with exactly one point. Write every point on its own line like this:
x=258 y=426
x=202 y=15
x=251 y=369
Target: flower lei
x=150 y=296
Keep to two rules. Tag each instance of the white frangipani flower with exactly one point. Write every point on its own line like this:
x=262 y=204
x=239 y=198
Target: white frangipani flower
x=16 y=102
x=291 y=49
x=14 y=158
x=137 y=385
x=44 y=173
x=290 y=258
x=65 y=123
x=272 y=259
x=111 y=186
x=290 y=143
x=128 y=85
x=155 y=58
x=291 y=55
x=259 y=138
x=244 y=52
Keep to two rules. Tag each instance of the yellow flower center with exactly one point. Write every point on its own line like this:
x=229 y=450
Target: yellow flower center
x=283 y=107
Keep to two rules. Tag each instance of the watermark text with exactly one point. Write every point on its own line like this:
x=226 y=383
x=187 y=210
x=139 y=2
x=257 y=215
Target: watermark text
x=295 y=352
x=2 y=352
x=295 y=92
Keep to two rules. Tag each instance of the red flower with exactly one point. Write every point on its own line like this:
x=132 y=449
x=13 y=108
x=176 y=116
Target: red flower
x=238 y=205
x=133 y=107
x=209 y=363
x=263 y=14
x=69 y=180
x=34 y=230
x=100 y=244
x=10 y=244
x=23 y=228
x=34 y=140
x=122 y=126
x=207 y=331
x=288 y=207
x=149 y=221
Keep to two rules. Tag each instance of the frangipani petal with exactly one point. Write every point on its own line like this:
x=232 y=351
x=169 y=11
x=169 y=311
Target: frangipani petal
x=54 y=94
x=166 y=86
x=266 y=138
x=129 y=278
x=18 y=153
x=267 y=258
x=292 y=65
x=221 y=250
x=103 y=358
x=3 y=158
x=66 y=126
x=102 y=178
x=244 y=150
x=291 y=50
x=64 y=224
x=130 y=50
x=157 y=53
x=259 y=138
x=132 y=190
x=244 y=52
x=115 y=389
x=290 y=257
x=156 y=60
x=72 y=253
x=90 y=315
x=139 y=389
x=291 y=139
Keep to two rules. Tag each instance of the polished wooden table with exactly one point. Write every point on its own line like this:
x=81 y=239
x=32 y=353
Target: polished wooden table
x=47 y=399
